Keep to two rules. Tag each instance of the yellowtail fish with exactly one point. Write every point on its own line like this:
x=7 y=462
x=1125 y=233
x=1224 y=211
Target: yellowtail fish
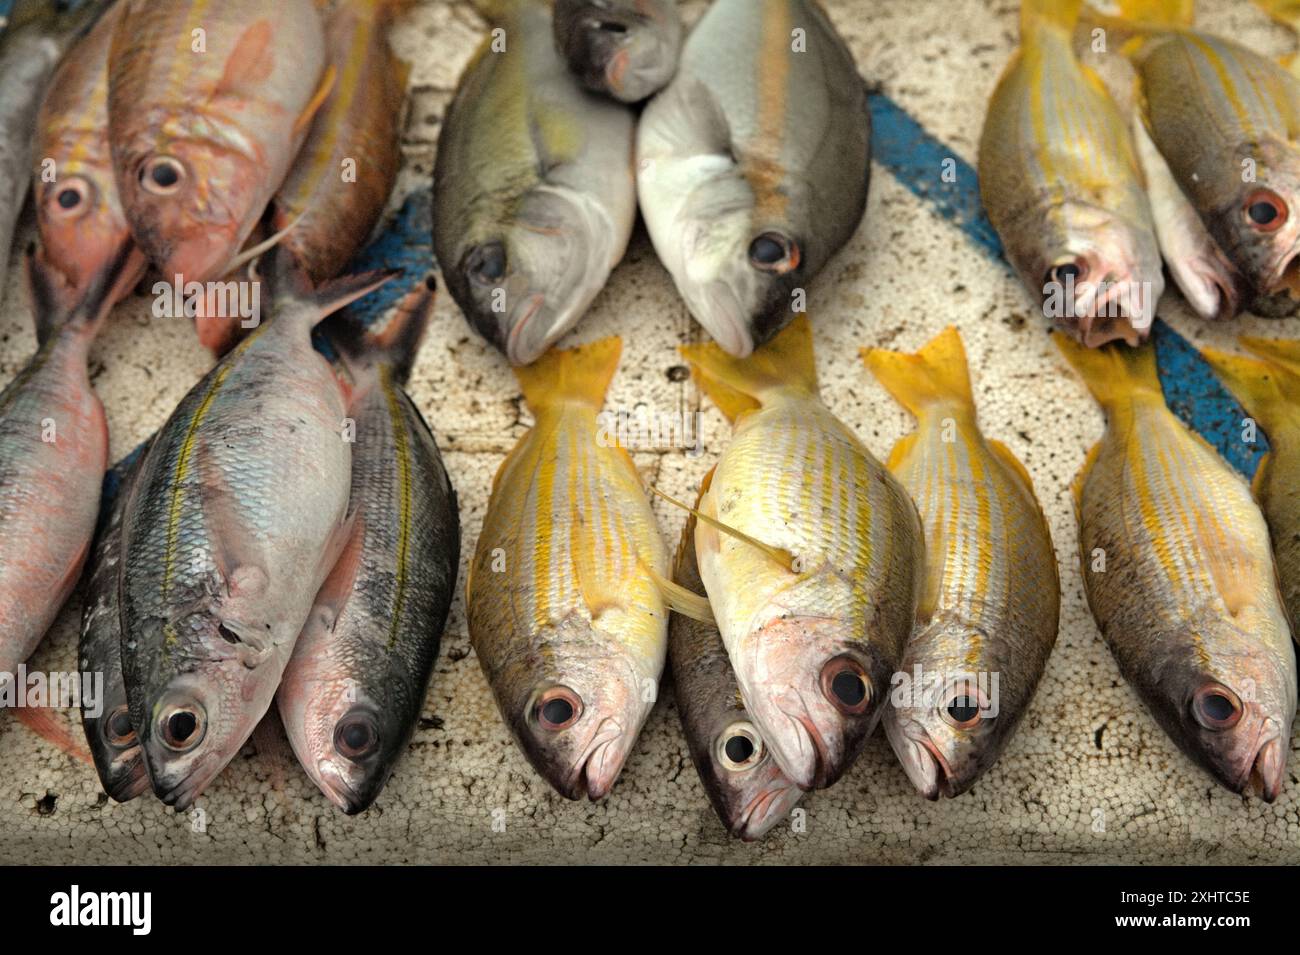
x=627 y=49
x=207 y=105
x=1060 y=181
x=1226 y=120
x=82 y=228
x=564 y=605
x=989 y=611
x=812 y=555
x=1270 y=392
x=747 y=788
x=1208 y=280
x=534 y=196
x=1181 y=580
x=753 y=163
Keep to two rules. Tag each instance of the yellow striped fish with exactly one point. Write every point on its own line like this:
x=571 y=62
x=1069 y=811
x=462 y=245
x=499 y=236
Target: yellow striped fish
x=1225 y=119
x=989 y=610
x=1181 y=580
x=812 y=556
x=1060 y=182
x=564 y=610
x=1270 y=392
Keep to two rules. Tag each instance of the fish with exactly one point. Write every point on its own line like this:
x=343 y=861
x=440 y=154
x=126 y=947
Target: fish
x=1060 y=181
x=627 y=49
x=238 y=515
x=79 y=216
x=119 y=761
x=1210 y=283
x=812 y=555
x=207 y=106
x=990 y=607
x=31 y=48
x=534 y=195
x=565 y=609
x=1225 y=119
x=753 y=164
x=53 y=454
x=746 y=787
x=1180 y=578
x=352 y=692
x=1269 y=390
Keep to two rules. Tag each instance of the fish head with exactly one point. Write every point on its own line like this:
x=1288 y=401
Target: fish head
x=1232 y=713
x=197 y=703
x=816 y=690
x=81 y=224
x=524 y=282
x=738 y=274
x=576 y=707
x=1258 y=226
x=746 y=786
x=1099 y=275
x=948 y=734
x=116 y=750
x=188 y=204
x=629 y=50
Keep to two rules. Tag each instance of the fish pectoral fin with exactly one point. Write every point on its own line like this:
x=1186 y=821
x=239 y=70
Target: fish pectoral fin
x=901 y=449
x=679 y=599
x=251 y=62
x=237 y=557
x=779 y=554
x=341 y=580
x=317 y=101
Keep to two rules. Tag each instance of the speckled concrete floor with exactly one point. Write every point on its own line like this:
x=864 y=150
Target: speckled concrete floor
x=1088 y=778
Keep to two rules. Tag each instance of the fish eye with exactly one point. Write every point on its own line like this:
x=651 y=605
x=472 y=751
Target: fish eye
x=1265 y=210
x=845 y=684
x=965 y=705
x=71 y=199
x=162 y=175
x=117 y=729
x=609 y=26
x=182 y=727
x=1076 y=270
x=558 y=708
x=773 y=252
x=356 y=735
x=740 y=747
x=1216 y=707
x=486 y=264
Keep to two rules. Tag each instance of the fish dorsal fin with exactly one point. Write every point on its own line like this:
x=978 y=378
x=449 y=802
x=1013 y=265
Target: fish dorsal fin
x=1010 y=460
x=778 y=554
x=581 y=374
x=901 y=449
x=738 y=385
x=937 y=374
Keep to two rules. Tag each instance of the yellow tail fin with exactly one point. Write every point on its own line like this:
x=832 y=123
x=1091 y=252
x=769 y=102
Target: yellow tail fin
x=937 y=374
x=1268 y=392
x=1062 y=14
x=1165 y=13
x=1280 y=351
x=1112 y=372
x=737 y=385
x=579 y=374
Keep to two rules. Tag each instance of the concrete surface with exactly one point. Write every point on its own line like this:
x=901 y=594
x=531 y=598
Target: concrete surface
x=1088 y=778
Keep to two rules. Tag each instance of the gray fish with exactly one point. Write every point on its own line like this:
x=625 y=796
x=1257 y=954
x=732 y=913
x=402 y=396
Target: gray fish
x=752 y=164
x=747 y=788
x=239 y=513
x=534 y=196
x=627 y=49
x=30 y=49
x=119 y=760
x=353 y=689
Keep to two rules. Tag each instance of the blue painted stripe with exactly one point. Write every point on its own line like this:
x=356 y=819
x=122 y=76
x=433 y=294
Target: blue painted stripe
x=1193 y=392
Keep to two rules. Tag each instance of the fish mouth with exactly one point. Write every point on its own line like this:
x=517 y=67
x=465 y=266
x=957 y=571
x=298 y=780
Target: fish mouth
x=1286 y=278
x=599 y=765
x=725 y=321
x=1109 y=316
x=921 y=760
x=336 y=787
x=764 y=811
x=182 y=794
x=809 y=766
x=1264 y=768
x=1217 y=299
x=515 y=350
x=129 y=782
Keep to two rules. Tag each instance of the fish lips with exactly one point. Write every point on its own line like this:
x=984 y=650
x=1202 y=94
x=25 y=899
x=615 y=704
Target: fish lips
x=619 y=52
x=595 y=769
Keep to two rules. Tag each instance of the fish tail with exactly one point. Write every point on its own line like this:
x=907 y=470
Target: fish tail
x=579 y=374
x=394 y=338
x=937 y=374
x=737 y=385
x=284 y=274
x=1158 y=13
x=1059 y=14
x=1262 y=388
x=1279 y=351
x=1112 y=372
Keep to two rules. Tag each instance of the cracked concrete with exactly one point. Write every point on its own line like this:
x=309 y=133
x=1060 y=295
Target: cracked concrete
x=1088 y=778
